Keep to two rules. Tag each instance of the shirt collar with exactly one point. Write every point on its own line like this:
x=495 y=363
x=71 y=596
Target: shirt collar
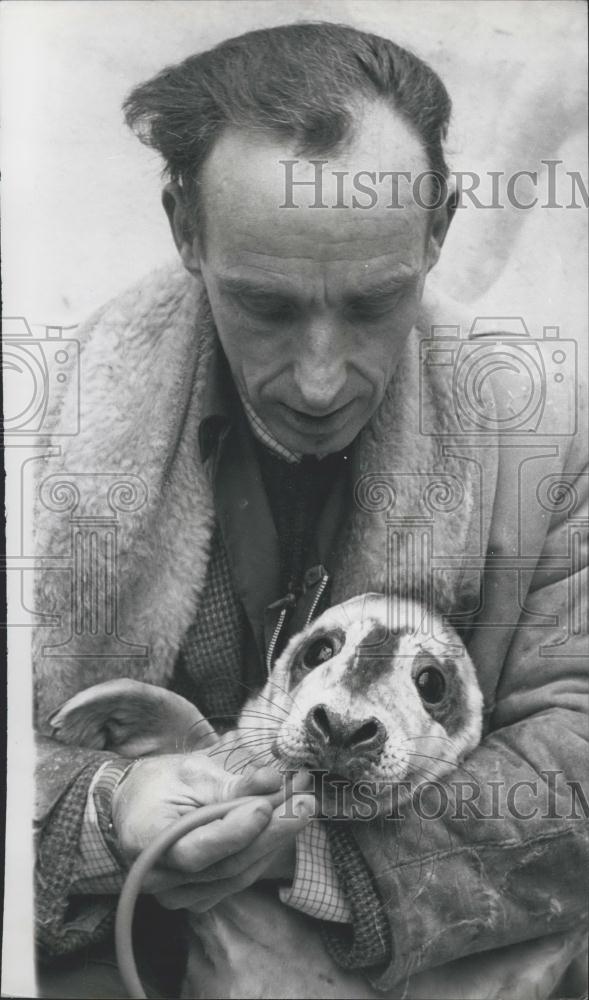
x=264 y=434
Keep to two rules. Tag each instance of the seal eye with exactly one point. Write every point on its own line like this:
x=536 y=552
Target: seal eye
x=318 y=652
x=431 y=685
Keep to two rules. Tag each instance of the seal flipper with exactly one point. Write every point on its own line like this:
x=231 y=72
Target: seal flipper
x=132 y=718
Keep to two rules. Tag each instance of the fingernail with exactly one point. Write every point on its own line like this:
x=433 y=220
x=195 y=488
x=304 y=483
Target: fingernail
x=304 y=810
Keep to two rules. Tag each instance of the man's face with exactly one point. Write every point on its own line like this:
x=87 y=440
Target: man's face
x=313 y=305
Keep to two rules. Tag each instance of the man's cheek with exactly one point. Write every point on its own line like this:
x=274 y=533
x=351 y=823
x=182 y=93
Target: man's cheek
x=392 y=337
x=238 y=332
x=252 y=359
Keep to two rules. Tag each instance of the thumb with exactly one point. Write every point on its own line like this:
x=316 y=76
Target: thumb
x=298 y=809
x=262 y=782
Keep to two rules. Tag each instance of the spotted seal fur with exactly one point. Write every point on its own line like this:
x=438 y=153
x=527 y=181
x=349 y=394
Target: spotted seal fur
x=368 y=692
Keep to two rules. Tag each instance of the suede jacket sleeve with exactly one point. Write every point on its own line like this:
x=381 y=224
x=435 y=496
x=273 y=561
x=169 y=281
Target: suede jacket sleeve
x=507 y=856
x=64 y=922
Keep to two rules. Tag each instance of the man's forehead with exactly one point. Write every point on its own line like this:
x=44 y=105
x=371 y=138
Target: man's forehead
x=381 y=140
x=248 y=182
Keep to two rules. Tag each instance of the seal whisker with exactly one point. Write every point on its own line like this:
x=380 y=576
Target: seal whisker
x=236 y=745
x=429 y=736
x=256 y=756
x=454 y=764
x=256 y=729
x=242 y=741
x=260 y=694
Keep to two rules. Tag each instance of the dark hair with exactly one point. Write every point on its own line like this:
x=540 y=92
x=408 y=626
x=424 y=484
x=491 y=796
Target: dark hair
x=300 y=81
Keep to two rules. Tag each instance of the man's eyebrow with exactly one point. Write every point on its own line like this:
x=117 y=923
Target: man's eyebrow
x=385 y=288
x=243 y=286
x=381 y=289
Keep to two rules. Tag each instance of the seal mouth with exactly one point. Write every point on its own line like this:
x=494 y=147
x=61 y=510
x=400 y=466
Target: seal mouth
x=332 y=776
x=330 y=781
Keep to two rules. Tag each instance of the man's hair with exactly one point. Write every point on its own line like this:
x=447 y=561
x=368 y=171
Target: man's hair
x=302 y=82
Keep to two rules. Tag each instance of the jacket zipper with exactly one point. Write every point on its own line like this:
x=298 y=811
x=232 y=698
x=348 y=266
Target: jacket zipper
x=281 y=618
x=317 y=598
x=274 y=640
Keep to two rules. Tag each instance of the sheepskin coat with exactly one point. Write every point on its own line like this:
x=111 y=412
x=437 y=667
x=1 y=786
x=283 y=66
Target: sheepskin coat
x=487 y=525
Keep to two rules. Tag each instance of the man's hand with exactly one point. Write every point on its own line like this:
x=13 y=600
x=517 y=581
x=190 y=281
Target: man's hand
x=253 y=841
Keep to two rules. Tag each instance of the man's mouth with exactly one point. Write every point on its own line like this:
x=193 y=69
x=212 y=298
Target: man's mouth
x=317 y=422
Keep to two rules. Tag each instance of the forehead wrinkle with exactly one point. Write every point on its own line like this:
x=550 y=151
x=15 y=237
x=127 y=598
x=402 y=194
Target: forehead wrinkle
x=336 y=252
x=365 y=284
x=319 y=236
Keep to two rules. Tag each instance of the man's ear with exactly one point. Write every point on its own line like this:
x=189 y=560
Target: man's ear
x=439 y=225
x=187 y=245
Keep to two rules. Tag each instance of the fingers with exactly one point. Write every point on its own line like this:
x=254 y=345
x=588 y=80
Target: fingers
x=221 y=838
x=200 y=897
x=290 y=783
x=286 y=822
x=196 y=897
x=241 y=869
x=162 y=880
x=211 y=782
x=265 y=781
x=297 y=781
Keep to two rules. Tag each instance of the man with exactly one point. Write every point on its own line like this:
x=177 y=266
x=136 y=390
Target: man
x=249 y=402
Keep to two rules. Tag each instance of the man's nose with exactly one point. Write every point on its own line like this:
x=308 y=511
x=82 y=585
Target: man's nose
x=320 y=368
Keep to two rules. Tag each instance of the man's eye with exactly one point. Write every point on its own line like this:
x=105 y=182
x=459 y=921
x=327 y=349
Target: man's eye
x=265 y=307
x=367 y=311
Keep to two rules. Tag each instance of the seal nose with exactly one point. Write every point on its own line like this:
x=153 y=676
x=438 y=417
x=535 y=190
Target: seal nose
x=329 y=729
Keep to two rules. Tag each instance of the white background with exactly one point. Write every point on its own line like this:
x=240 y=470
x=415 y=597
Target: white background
x=81 y=212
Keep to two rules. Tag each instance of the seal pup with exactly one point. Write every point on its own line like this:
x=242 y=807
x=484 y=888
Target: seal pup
x=363 y=696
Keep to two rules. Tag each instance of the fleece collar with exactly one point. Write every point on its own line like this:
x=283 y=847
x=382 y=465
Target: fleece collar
x=422 y=499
